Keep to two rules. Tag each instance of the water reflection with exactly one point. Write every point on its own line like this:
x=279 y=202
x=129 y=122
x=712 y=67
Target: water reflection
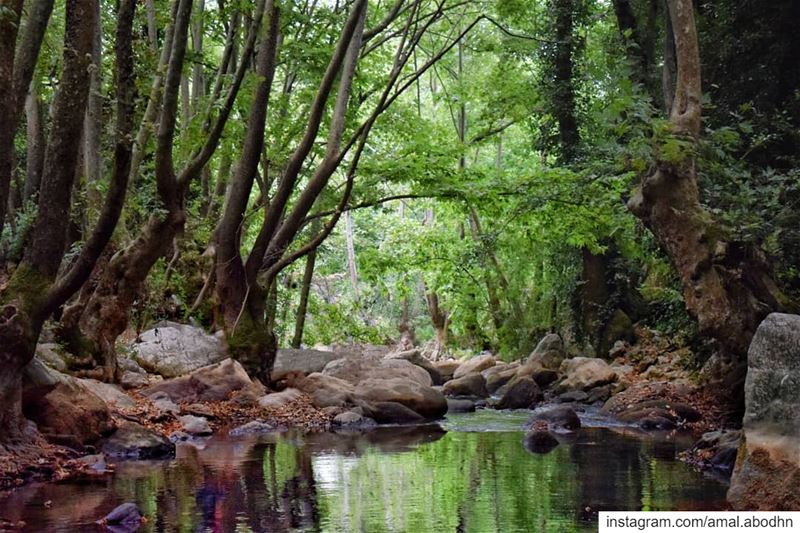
x=392 y=479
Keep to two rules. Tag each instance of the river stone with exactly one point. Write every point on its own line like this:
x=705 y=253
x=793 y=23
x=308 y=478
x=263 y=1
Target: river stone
x=391 y=413
x=472 y=384
x=127 y=515
x=208 y=384
x=195 y=425
x=447 y=368
x=358 y=370
x=327 y=391
x=51 y=354
x=584 y=373
x=549 y=353
x=573 y=396
x=292 y=360
x=767 y=472
x=415 y=357
x=256 y=427
x=133 y=380
x=134 y=441
x=557 y=417
x=280 y=399
x=498 y=375
x=171 y=349
x=111 y=394
x=424 y=400
x=520 y=393
x=352 y=420
x=476 y=364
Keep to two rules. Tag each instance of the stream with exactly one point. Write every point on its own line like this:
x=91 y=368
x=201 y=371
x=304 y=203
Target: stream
x=469 y=473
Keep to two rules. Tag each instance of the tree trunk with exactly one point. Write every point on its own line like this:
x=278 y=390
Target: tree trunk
x=727 y=285
x=92 y=152
x=302 y=307
x=564 y=91
x=24 y=299
x=352 y=267
x=35 y=145
x=9 y=23
x=439 y=321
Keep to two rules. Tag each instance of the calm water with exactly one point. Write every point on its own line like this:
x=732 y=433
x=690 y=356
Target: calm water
x=472 y=473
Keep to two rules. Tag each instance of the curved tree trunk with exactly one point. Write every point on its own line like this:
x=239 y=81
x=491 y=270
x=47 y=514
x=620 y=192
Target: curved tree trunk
x=727 y=285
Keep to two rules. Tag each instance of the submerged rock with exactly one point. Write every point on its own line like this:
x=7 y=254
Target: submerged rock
x=134 y=441
x=127 y=515
x=557 y=417
x=460 y=406
x=767 y=472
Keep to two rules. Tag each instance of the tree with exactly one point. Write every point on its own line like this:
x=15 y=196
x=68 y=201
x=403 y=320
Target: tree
x=727 y=285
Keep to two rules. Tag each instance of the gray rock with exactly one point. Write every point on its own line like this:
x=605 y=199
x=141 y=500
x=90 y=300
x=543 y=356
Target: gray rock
x=127 y=514
x=476 y=364
x=256 y=427
x=391 y=413
x=51 y=354
x=558 y=417
x=447 y=368
x=357 y=370
x=352 y=420
x=172 y=349
x=165 y=405
x=549 y=353
x=521 y=393
x=422 y=399
x=134 y=441
x=133 y=380
x=291 y=360
x=575 y=396
x=767 y=471
x=472 y=384
x=208 y=384
x=195 y=425
x=416 y=358
x=279 y=399
x=327 y=391
x=111 y=394
x=584 y=373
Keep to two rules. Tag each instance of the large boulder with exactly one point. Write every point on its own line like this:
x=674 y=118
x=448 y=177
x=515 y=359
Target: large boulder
x=426 y=401
x=111 y=394
x=584 y=373
x=391 y=413
x=557 y=417
x=473 y=384
x=767 y=472
x=549 y=353
x=415 y=357
x=134 y=441
x=173 y=349
x=327 y=391
x=208 y=384
x=476 y=364
x=447 y=368
x=499 y=375
x=356 y=370
x=292 y=360
x=521 y=393
x=64 y=409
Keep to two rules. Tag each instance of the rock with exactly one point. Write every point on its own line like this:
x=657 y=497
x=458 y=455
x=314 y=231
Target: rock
x=256 y=427
x=164 y=404
x=544 y=377
x=447 y=368
x=352 y=420
x=126 y=364
x=472 y=384
x=460 y=406
x=198 y=409
x=424 y=400
x=51 y=354
x=179 y=436
x=499 y=377
x=292 y=360
x=634 y=394
x=133 y=380
x=559 y=417
x=549 y=353
x=171 y=349
x=540 y=441
x=415 y=358
x=195 y=425
x=279 y=399
x=358 y=370
x=619 y=349
x=619 y=327
x=67 y=412
x=127 y=514
x=574 y=396
x=111 y=394
x=520 y=393
x=476 y=364
x=208 y=384
x=327 y=391
x=767 y=471
x=391 y=413
x=134 y=441
x=599 y=394
x=584 y=373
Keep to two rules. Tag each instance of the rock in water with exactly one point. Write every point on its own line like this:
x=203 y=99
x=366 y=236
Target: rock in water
x=767 y=472
x=472 y=384
x=558 y=417
x=173 y=349
x=520 y=393
x=540 y=441
x=134 y=441
x=126 y=515
x=549 y=353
